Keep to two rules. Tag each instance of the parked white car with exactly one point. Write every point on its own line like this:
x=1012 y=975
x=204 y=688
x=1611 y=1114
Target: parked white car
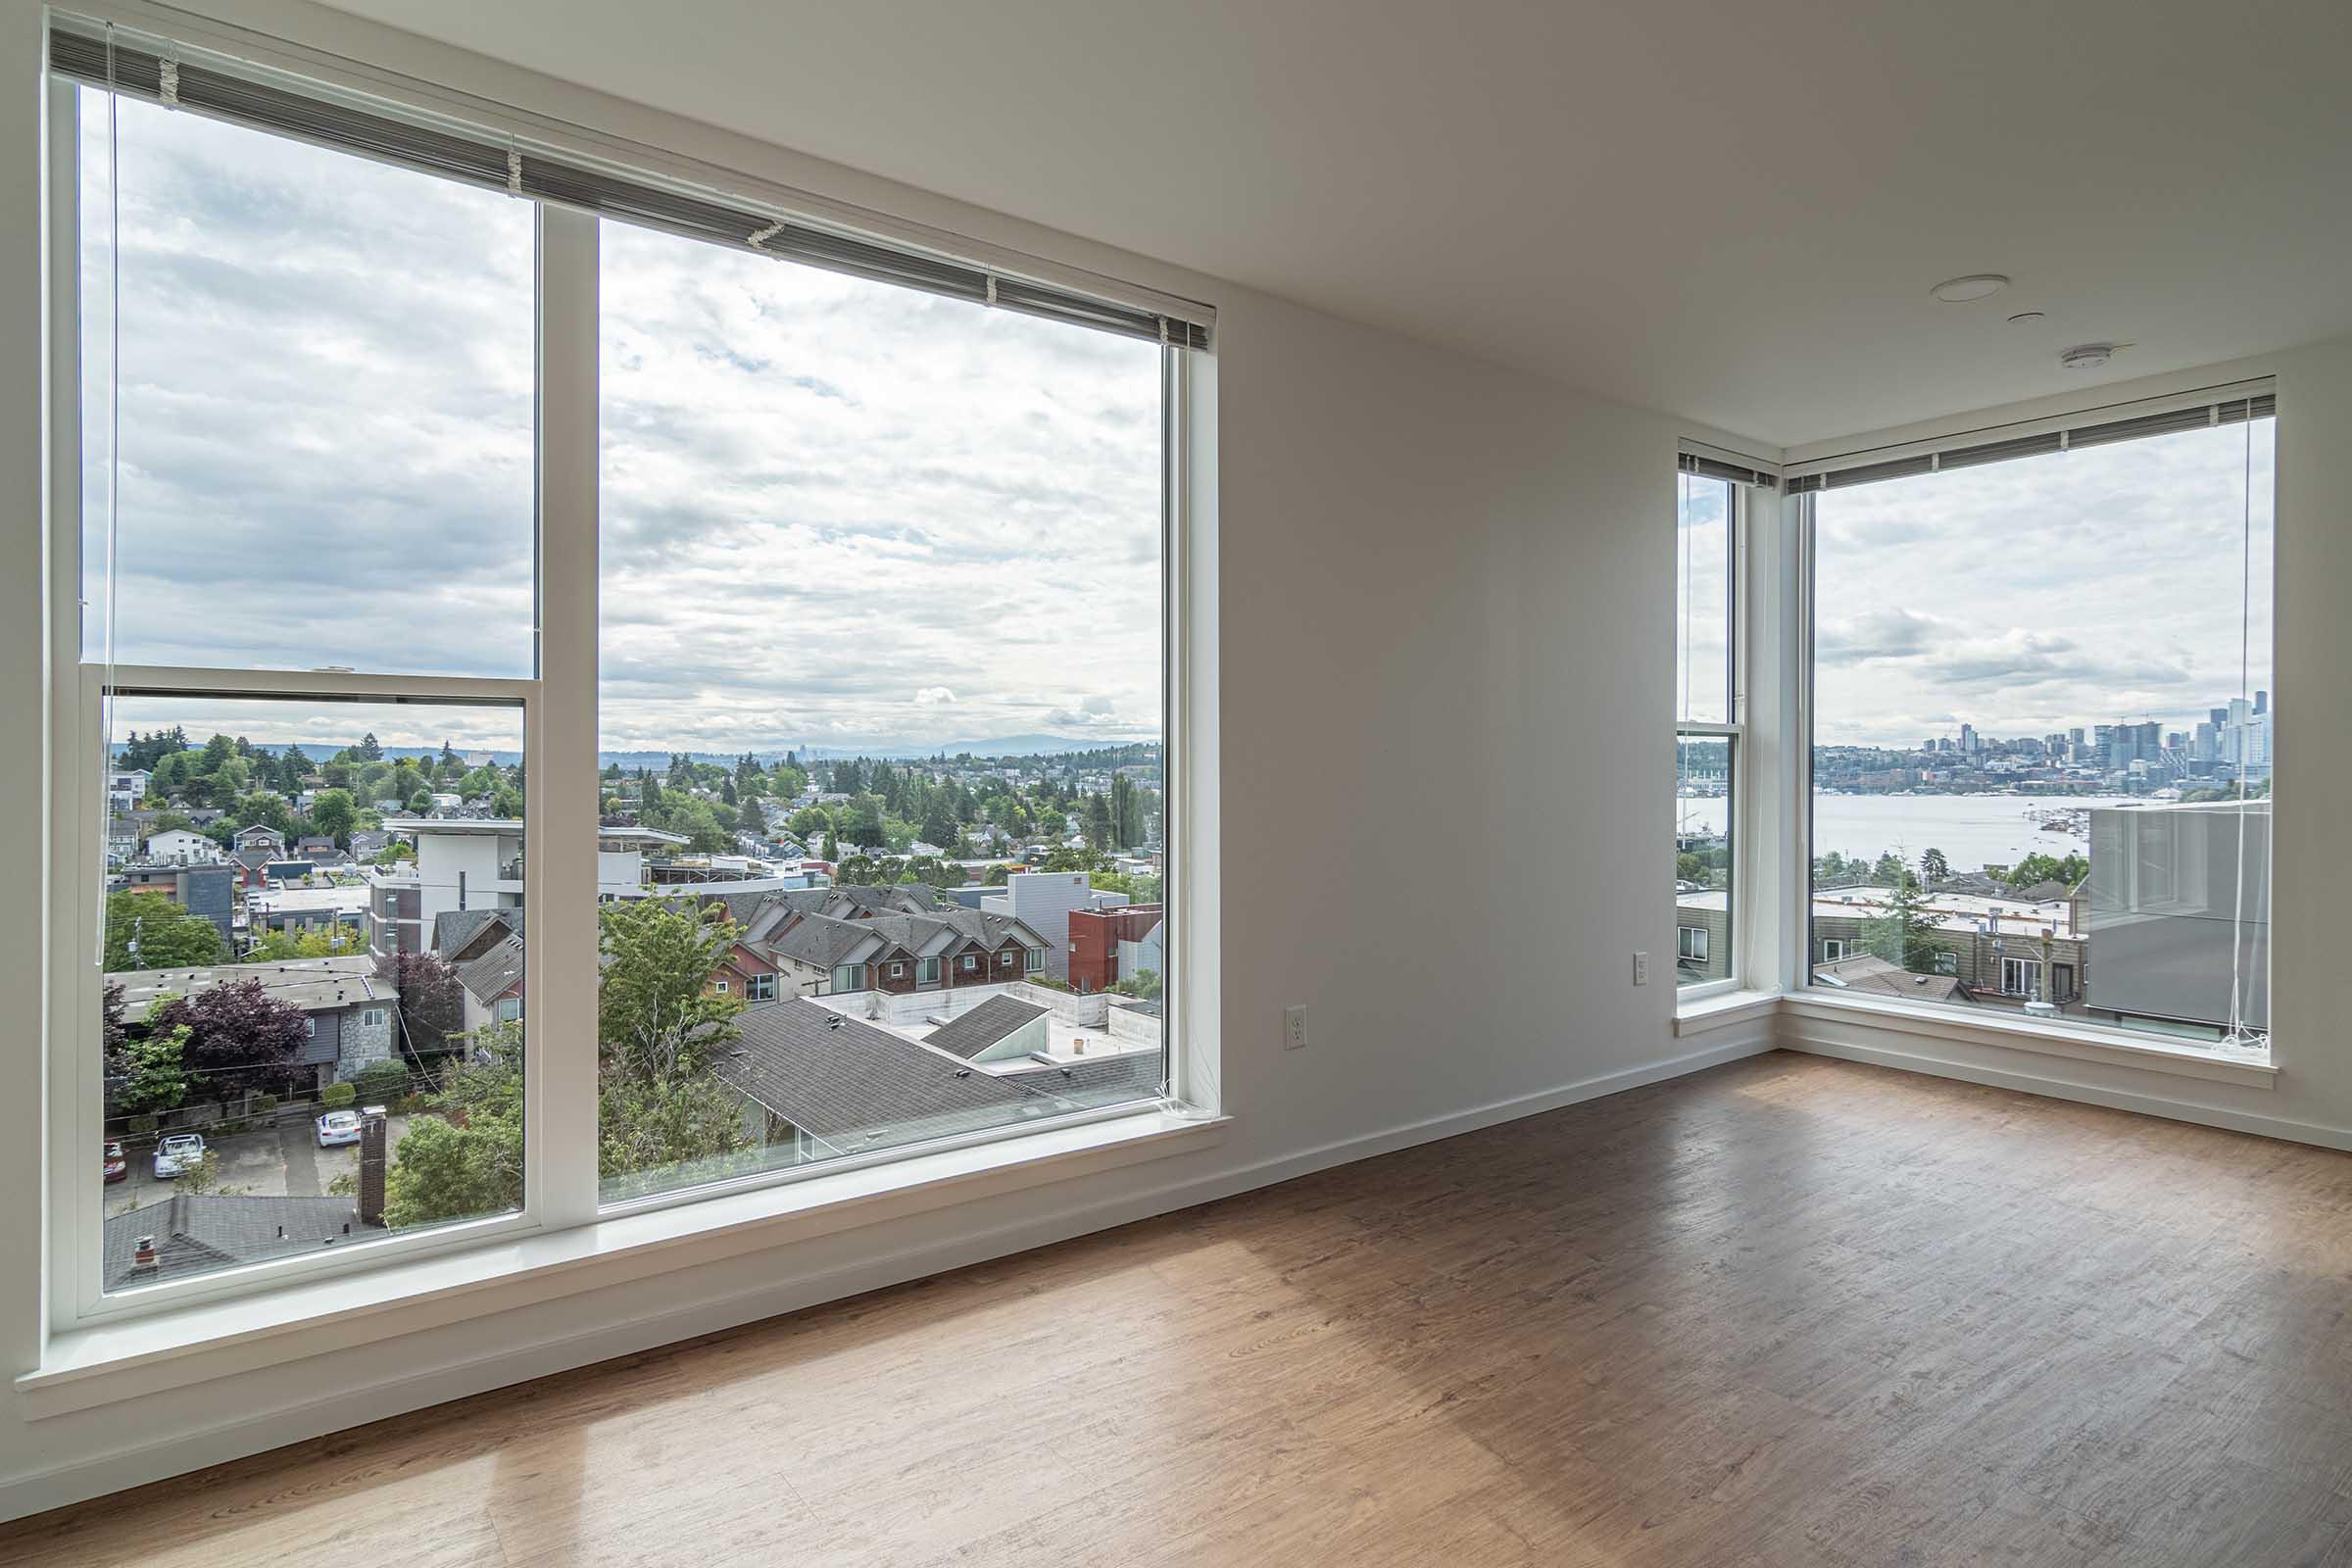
x=338 y=1127
x=177 y=1153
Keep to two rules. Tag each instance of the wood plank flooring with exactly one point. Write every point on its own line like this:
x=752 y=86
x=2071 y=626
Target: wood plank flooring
x=1788 y=1311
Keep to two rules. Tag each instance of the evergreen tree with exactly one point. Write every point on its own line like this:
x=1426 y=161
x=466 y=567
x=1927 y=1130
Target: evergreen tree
x=1906 y=933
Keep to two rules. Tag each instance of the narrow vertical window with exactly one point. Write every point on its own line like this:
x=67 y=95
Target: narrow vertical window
x=1707 y=715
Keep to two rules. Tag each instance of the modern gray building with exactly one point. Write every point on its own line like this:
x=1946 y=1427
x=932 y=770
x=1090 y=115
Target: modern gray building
x=2179 y=913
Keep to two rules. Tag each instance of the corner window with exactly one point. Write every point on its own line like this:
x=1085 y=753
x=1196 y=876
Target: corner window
x=2070 y=786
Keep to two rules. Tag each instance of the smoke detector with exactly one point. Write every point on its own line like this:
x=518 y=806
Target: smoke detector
x=2088 y=355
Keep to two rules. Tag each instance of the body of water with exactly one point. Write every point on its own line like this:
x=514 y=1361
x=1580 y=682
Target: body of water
x=1972 y=830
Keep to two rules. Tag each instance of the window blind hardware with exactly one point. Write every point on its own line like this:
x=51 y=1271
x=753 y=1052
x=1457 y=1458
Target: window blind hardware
x=134 y=65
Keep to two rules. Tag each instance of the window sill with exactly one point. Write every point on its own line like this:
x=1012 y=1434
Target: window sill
x=1722 y=1010
x=106 y=1363
x=2072 y=1040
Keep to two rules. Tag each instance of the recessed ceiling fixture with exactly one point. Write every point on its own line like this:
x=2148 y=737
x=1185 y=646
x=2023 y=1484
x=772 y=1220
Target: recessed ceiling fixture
x=2088 y=355
x=2024 y=317
x=1975 y=287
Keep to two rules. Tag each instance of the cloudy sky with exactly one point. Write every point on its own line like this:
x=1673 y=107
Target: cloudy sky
x=2097 y=586
x=834 y=513
x=2091 y=587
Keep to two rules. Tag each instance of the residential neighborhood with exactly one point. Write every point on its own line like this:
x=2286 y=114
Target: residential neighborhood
x=832 y=958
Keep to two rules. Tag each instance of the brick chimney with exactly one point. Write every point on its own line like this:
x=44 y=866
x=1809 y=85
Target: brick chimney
x=371 y=1171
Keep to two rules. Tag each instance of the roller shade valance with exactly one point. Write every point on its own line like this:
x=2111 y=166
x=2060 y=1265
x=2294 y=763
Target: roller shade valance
x=146 y=68
x=1707 y=467
x=2097 y=431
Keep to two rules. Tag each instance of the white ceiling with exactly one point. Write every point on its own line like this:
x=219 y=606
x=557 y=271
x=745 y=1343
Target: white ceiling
x=1731 y=210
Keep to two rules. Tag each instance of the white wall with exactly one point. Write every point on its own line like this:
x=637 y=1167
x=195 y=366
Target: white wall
x=1440 y=595
x=2312 y=1098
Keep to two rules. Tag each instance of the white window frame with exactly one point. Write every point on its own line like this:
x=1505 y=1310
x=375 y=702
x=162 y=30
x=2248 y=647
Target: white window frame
x=1845 y=947
x=926 y=972
x=1690 y=943
x=558 y=706
x=1033 y=961
x=1735 y=736
x=2029 y=970
x=760 y=988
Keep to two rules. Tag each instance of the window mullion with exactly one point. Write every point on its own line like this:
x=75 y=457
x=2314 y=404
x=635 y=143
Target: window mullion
x=559 y=859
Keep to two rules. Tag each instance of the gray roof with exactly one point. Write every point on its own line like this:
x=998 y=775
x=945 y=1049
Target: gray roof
x=856 y=1087
x=196 y=1233
x=1093 y=1081
x=968 y=1034
x=1870 y=973
x=819 y=939
x=314 y=985
x=454 y=929
x=493 y=974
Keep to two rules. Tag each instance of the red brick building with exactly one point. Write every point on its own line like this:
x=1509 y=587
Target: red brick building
x=1094 y=938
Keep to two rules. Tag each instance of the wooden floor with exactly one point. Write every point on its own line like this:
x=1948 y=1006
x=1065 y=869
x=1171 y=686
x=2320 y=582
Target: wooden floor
x=1788 y=1311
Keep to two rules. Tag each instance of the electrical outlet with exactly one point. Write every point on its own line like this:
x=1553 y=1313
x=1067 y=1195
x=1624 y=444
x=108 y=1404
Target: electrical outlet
x=1640 y=968
x=1293 y=1028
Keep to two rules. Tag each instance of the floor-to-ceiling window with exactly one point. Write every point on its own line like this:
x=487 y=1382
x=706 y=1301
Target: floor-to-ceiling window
x=2042 y=723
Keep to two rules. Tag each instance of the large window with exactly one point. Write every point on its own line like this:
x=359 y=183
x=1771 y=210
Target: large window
x=810 y=606
x=2043 y=725
x=881 y=657
x=1707 y=708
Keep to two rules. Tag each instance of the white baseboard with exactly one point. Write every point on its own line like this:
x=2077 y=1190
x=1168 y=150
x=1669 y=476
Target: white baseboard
x=418 y=1388
x=2241 y=1121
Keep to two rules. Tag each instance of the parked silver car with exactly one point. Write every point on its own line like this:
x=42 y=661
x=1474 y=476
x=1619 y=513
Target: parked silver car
x=177 y=1153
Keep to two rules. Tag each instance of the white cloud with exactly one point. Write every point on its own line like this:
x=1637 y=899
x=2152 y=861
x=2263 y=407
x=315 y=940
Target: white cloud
x=832 y=511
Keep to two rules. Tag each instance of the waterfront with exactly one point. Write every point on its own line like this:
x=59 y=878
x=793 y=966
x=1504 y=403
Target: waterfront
x=1972 y=830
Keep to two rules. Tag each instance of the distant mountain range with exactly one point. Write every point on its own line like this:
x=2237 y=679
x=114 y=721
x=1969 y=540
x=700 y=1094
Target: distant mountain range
x=1002 y=746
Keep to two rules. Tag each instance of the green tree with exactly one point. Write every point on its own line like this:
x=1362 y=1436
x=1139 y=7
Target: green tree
x=645 y=1126
x=145 y=1076
x=369 y=750
x=1143 y=984
x=1906 y=933
x=334 y=811
x=1933 y=866
x=263 y=809
x=147 y=931
x=656 y=1022
x=308 y=943
x=2038 y=868
x=466 y=1158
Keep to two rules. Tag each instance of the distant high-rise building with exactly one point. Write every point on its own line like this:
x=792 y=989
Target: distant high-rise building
x=2261 y=701
x=1968 y=739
